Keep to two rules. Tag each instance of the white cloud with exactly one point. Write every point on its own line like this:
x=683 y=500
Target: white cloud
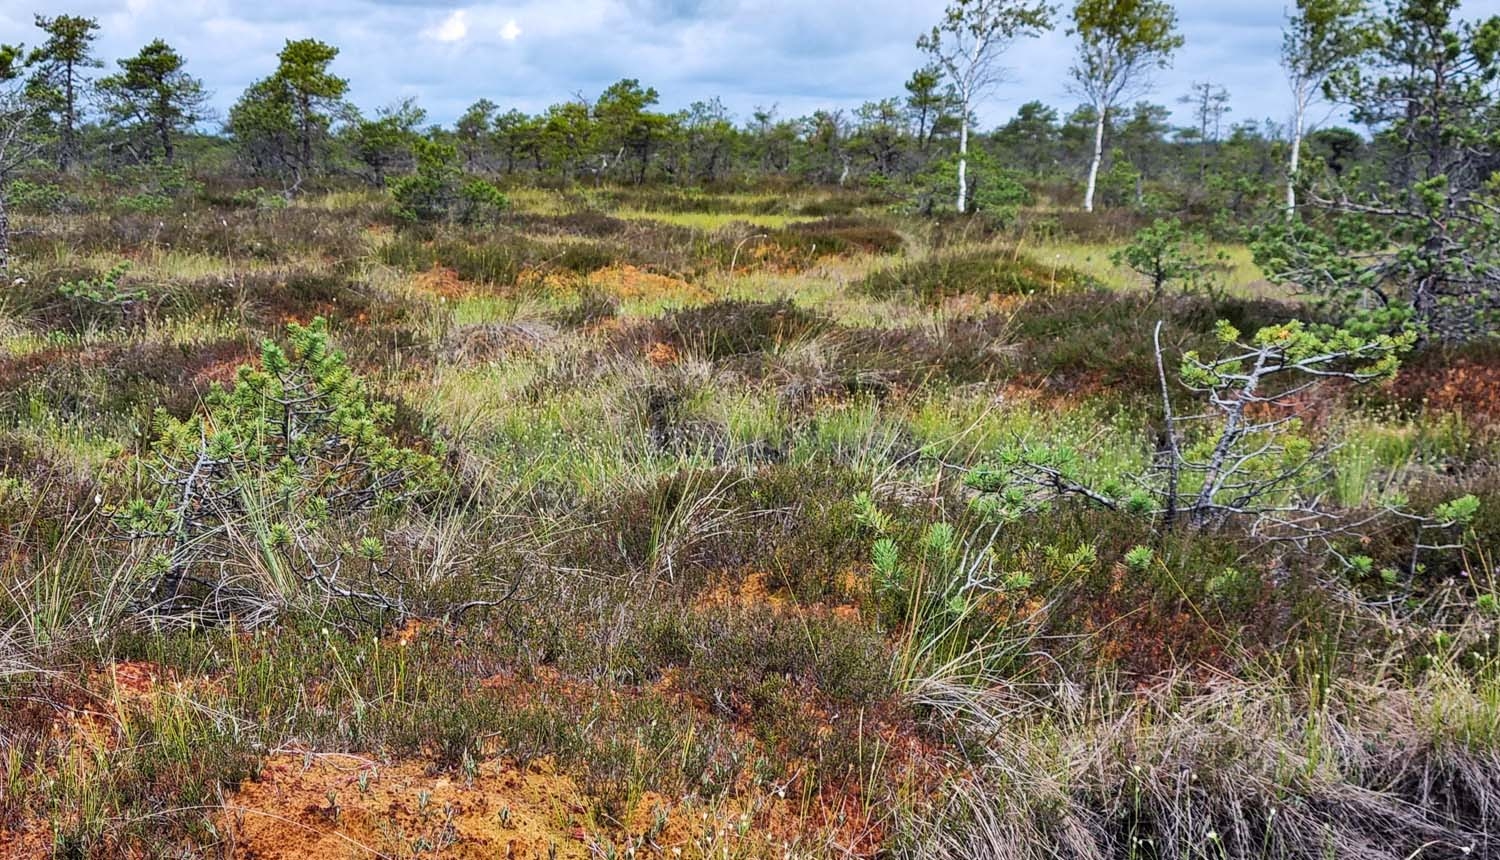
x=796 y=54
x=453 y=28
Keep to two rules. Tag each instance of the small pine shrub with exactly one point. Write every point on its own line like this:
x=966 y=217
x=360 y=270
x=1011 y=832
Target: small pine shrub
x=242 y=497
x=1167 y=256
x=105 y=298
x=980 y=273
x=436 y=191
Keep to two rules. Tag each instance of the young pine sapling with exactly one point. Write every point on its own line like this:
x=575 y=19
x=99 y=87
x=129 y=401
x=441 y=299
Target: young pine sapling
x=1240 y=458
x=253 y=503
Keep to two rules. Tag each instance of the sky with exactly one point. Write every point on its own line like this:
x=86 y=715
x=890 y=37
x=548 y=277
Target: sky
x=795 y=55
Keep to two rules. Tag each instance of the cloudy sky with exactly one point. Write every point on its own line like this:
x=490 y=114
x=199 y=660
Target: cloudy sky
x=795 y=54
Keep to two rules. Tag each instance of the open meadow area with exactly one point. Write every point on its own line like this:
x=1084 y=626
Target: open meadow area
x=370 y=489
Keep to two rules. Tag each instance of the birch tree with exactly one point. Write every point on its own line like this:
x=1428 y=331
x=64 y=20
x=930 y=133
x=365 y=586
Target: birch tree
x=967 y=46
x=19 y=140
x=1322 y=38
x=1119 y=43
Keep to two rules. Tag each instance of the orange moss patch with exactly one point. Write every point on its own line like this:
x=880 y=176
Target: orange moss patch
x=137 y=679
x=971 y=304
x=412 y=630
x=754 y=590
x=444 y=282
x=221 y=372
x=33 y=839
x=548 y=681
x=628 y=282
x=748 y=592
x=547 y=282
x=662 y=354
x=16 y=370
x=1060 y=390
x=1313 y=407
x=337 y=806
x=343 y=806
x=1148 y=637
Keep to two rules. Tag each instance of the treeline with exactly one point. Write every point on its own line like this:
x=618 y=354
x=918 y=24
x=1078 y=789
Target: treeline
x=1400 y=221
x=296 y=127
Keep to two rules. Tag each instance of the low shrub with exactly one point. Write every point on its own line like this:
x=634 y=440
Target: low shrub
x=981 y=273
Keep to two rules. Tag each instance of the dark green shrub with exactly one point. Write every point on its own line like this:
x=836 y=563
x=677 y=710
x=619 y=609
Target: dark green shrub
x=437 y=192
x=977 y=273
x=733 y=327
x=1167 y=256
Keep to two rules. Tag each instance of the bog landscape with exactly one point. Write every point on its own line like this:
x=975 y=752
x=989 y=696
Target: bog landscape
x=620 y=481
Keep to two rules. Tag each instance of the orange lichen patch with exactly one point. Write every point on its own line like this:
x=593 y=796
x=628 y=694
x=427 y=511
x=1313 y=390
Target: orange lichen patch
x=662 y=354
x=28 y=838
x=445 y=282
x=754 y=590
x=749 y=591
x=334 y=806
x=342 y=806
x=972 y=304
x=137 y=679
x=627 y=282
x=412 y=630
x=548 y=282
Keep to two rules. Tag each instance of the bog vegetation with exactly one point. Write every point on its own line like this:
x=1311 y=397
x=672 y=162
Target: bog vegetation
x=614 y=482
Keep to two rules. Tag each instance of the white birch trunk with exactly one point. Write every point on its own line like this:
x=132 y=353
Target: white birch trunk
x=1088 y=195
x=1295 y=162
x=963 y=163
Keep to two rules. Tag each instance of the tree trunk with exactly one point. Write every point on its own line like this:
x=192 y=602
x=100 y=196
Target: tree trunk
x=1295 y=162
x=1088 y=194
x=304 y=105
x=963 y=163
x=4 y=239
x=164 y=131
x=65 y=156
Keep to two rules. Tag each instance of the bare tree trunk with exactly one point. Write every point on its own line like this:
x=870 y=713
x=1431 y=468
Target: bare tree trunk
x=1295 y=162
x=4 y=238
x=963 y=163
x=1088 y=195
